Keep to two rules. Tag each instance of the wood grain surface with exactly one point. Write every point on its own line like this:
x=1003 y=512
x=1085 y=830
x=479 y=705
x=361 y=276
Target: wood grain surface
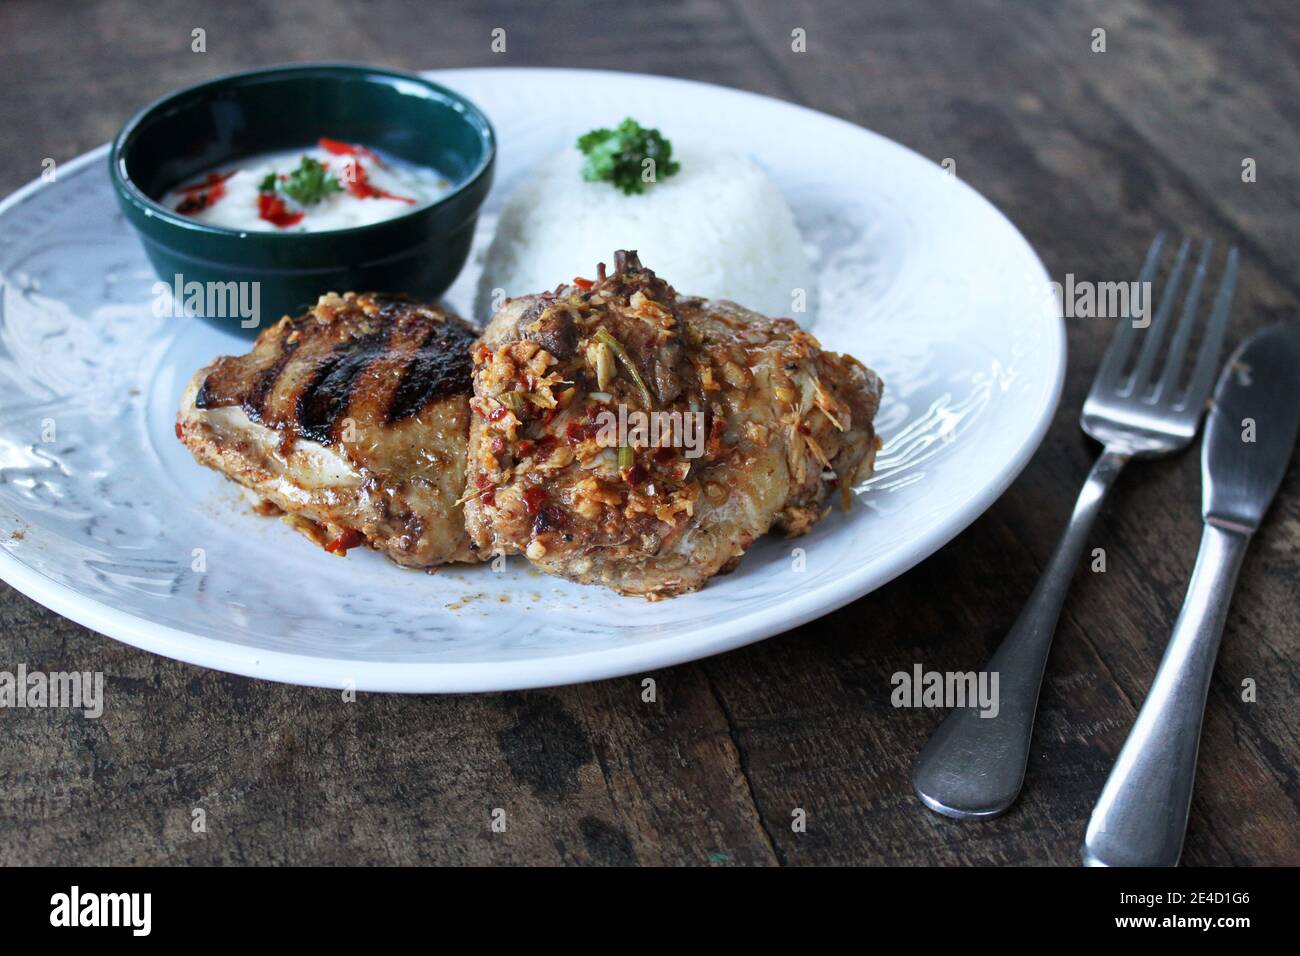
x=1088 y=153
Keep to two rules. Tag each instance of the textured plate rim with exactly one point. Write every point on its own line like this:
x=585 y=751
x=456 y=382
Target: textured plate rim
x=493 y=676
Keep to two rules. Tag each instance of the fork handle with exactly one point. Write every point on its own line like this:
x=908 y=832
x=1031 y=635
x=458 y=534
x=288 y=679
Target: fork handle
x=1141 y=817
x=974 y=765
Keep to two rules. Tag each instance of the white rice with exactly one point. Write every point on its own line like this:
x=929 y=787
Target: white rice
x=718 y=228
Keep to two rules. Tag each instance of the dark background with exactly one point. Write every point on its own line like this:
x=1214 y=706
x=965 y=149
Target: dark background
x=1088 y=153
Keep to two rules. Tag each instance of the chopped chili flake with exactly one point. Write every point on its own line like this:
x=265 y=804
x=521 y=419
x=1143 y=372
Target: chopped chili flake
x=575 y=433
x=348 y=539
x=551 y=517
x=534 y=498
x=487 y=491
x=582 y=283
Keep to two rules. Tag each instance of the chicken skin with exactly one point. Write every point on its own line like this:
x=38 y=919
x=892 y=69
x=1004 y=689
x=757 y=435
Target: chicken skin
x=624 y=435
x=352 y=420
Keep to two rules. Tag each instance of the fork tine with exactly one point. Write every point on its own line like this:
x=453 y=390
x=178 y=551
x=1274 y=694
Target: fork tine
x=1156 y=333
x=1121 y=340
x=1183 y=333
x=1207 y=360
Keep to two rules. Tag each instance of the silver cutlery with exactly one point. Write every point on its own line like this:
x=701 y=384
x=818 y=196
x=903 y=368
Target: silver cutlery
x=1141 y=817
x=1138 y=407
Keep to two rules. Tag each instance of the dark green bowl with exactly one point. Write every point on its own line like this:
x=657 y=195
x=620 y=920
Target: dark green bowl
x=187 y=133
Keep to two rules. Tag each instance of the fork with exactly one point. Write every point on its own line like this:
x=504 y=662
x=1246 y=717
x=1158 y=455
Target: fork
x=974 y=766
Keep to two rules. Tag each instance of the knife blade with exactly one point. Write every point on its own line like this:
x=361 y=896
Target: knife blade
x=1251 y=427
x=1141 y=816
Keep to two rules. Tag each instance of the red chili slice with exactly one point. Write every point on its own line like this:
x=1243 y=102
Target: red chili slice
x=201 y=195
x=208 y=181
x=360 y=186
x=337 y=147
x=340 y=148
x=272 y=208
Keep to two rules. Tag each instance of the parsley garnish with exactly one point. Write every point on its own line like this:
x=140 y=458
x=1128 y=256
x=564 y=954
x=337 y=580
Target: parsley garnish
x=307 y=185
x=618 y=155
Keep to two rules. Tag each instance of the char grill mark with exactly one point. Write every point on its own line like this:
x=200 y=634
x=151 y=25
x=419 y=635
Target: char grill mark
x=221 y=387
x=255 y=404
x=323 y=402
x=441 y=367
x=394 y=487
x=309 y=374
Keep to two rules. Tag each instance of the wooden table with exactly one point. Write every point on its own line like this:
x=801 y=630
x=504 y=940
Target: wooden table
x=1089 y=153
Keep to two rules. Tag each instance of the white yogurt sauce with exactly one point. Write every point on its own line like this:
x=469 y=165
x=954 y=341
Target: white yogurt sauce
x=368 y=187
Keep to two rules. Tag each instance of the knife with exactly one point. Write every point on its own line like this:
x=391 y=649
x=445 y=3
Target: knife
x=1141 y=816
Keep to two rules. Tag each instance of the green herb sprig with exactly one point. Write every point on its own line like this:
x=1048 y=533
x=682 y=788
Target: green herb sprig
x=307 y=185
x=617 y=156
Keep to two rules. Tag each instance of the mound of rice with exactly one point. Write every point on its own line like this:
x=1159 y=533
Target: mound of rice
x=719 y=228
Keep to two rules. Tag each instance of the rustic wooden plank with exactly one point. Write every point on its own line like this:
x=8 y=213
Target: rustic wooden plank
x=589 y=774
x=1087 y=161
x=586 y=774
x=88 y=68
x=1206 y=87
x=1027 y=129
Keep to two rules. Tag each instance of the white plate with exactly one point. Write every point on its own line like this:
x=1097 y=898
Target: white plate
x=920 y=278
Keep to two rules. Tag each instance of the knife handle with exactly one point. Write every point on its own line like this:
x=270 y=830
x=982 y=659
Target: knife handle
x=1141 y=816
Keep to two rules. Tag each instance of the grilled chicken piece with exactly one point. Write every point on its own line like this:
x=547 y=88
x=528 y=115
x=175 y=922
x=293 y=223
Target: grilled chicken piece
x=353 y=420
x=779 y=426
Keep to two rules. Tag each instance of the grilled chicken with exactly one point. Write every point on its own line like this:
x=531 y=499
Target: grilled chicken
x=352 y=420
x=758 y=429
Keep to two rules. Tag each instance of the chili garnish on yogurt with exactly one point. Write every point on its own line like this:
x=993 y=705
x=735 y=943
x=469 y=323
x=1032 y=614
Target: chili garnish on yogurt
x=333 y=185
x=201 y=195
